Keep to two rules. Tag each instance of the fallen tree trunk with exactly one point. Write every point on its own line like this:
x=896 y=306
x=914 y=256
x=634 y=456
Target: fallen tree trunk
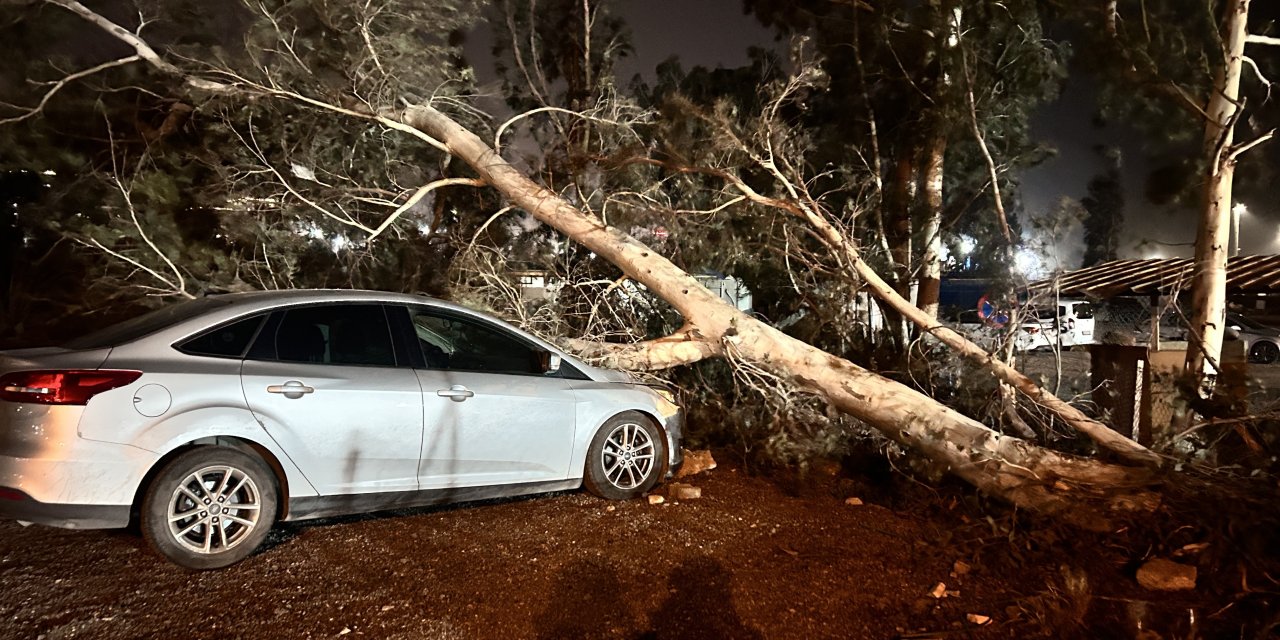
x=1007 y=467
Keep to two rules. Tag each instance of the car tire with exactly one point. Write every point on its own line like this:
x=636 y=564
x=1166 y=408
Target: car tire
x=239 y=497
x=1264 y=353
x=627 y=457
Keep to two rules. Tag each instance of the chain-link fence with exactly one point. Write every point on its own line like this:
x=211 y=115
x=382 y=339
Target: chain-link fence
x=1120 y=320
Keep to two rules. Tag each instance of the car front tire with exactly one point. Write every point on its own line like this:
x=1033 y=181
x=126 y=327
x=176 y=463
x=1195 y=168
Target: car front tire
x=1264 y=353
x=209 y=508
x=627 y=457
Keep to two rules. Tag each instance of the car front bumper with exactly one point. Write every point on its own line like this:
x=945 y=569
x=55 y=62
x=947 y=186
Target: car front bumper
x=673 y=425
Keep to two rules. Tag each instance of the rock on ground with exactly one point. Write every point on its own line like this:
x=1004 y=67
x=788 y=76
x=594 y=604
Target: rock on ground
x=1160 y=574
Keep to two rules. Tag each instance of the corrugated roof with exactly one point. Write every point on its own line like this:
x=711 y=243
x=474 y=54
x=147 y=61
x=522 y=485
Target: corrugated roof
x=1245 y=274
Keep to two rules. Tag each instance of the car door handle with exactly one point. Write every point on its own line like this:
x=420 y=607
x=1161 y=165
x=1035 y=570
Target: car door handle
x=291 y=389
x=456 y=393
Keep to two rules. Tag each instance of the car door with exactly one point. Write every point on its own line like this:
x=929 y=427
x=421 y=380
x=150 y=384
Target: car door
x=325 y=382
x=492 y=416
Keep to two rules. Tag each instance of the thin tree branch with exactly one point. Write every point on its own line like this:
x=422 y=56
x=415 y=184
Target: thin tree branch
x=1242 y=148
x=497 y=214
x=497 y=137
x=1267 y=40
x=57 y=86
x=239 y=84
x=1261 y=78
x=418 y=196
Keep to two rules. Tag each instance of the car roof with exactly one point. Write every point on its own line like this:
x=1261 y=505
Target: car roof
x=242 y=302
x=225 y=307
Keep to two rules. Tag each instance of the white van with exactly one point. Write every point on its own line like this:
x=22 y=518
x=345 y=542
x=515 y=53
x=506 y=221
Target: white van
x=1075 y=322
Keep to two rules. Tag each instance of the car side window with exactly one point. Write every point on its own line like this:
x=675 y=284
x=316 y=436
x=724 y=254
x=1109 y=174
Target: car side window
x=227 y=341
x=355 y=334
x=453 y=343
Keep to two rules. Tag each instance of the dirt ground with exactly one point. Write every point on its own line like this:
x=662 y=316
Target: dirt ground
x=749 y=559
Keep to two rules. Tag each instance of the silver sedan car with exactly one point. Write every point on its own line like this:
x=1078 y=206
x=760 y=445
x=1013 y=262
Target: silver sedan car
x=207 y=421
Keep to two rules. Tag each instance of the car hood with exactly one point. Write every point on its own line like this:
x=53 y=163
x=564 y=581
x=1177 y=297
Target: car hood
x=604 y=375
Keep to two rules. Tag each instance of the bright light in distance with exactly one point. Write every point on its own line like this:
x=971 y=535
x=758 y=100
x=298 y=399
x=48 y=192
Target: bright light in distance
x=49 y=172
x=1027 y=262
x=967 y=245
x=1239 y=210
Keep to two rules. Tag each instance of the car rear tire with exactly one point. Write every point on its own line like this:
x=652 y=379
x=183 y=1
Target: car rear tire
x=209 y=508
x=627 y=457
x=1264 y=353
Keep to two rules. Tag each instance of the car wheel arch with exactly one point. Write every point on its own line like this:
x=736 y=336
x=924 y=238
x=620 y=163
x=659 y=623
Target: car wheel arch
x=230 y=442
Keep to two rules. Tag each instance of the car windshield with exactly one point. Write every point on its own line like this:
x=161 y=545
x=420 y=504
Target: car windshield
x=146 y=324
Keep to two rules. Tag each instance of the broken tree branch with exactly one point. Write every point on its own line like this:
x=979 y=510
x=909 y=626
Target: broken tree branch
x=58 y=85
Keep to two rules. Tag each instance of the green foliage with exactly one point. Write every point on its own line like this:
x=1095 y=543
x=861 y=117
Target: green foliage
x=230 y=190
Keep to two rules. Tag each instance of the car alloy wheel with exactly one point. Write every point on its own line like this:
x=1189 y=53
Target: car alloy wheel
x=626 y=458
x=214 y=509
x=209 y=507
x=1264 y=353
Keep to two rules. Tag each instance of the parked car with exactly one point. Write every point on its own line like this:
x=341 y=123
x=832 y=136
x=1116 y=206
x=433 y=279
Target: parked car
x=206 y=422
x=1033 y=334
x=1262 y=342
x=1076 y=323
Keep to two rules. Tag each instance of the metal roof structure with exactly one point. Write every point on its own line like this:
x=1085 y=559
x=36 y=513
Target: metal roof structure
x=1164 y=276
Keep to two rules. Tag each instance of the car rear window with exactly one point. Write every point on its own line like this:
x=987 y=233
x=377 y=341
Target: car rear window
x=147 y=324
x=1084 y=311
x=228 y=341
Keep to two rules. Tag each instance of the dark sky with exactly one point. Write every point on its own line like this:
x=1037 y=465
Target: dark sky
x=709 y=33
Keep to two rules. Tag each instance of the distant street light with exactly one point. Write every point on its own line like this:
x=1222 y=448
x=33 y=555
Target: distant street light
x=1237 y=211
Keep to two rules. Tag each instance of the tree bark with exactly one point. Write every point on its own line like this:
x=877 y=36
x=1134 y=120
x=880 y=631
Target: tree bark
x=898 y=205
x=931 y=227
x=1209 y=286
x=1006 y=467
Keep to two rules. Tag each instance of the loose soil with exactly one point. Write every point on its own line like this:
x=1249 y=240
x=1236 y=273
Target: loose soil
x=753 y=558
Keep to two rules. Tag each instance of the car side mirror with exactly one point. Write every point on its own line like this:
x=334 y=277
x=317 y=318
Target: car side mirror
x=550 y=362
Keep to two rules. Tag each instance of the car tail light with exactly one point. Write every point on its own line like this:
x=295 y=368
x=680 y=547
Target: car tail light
x=68 y=386
x=12 y=494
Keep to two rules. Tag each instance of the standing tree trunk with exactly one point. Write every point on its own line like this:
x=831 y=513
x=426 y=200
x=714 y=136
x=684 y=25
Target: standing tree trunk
x=1209 y=287
x=931 y=227
x=901 y=197
x=947 y=18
